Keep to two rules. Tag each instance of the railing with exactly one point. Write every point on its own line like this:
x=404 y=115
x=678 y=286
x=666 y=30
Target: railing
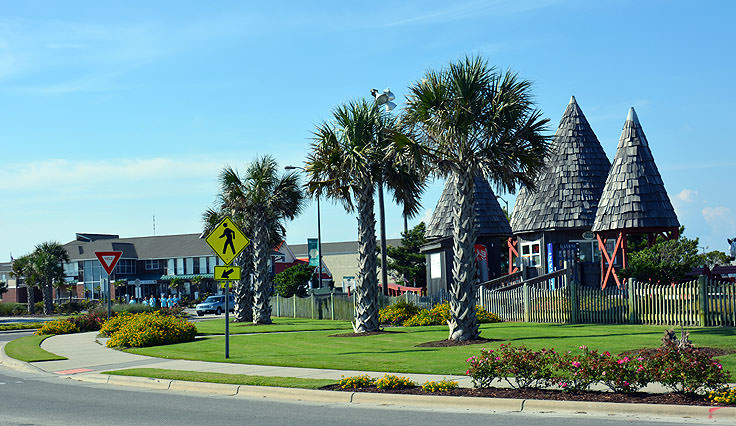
x=553 y=298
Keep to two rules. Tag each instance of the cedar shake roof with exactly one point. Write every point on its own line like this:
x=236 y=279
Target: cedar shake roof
x=569 y=188
x=634 y=195
x=490 y=220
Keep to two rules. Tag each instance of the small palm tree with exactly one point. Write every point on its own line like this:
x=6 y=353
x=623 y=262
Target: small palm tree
x=346 y=163
x=47 y=263
x=21 y=270
x=177 y=284
x=464 y=121
x=262 y=199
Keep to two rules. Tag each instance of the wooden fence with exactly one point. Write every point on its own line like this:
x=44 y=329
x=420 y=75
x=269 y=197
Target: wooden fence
x=553 y=298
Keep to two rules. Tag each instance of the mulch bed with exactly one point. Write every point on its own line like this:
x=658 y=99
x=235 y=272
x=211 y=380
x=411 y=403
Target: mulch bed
x=370 y=333
x=712 y=352
x=448 y=343
x=591 y=396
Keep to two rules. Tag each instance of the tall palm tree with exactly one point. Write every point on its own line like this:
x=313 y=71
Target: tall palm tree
x=47 y=263
x=346 y=163
x=266 y=199
x=21 y=269
x=463 y=121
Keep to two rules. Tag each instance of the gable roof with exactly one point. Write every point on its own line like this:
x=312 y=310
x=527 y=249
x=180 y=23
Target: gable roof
x=569 y=188
x=634 y=195
x=490 y=220
x=152 y=247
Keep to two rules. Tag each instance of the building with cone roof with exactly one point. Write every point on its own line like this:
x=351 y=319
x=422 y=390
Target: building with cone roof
x=634 y=200
x=553 y=223
x=491 y=227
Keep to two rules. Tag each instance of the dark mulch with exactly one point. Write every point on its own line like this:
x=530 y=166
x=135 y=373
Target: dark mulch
x=447 y=343
x=370 y=333
x=592 y=396
x=648 y=352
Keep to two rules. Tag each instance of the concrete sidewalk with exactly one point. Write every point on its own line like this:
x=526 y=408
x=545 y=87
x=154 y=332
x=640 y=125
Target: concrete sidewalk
x=85 y=351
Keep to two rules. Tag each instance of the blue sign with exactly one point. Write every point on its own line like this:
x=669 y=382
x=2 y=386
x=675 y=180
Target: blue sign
x=550 y=264
x=313 y=251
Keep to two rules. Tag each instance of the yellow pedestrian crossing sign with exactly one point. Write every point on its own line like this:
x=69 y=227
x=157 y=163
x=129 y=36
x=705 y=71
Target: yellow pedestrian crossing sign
x=227 y=241
x=224 y=273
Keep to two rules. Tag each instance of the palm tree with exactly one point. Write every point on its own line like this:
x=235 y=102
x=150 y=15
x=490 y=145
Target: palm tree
x=264 y=199
x=346 y=163
x=177 y=284
x=463 y=121
x=47 y=263
x=22 y=270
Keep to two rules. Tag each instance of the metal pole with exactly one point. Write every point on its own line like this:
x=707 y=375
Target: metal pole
x=227 y=319
x=384 y=271
x=109 y=304
x=319 y=244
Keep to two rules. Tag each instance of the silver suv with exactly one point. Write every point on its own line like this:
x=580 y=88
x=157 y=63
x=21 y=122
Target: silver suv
x=215 y=304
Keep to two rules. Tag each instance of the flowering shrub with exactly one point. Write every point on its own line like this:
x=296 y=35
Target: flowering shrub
x=91 y=321
x=531 y=369
x=151 y=329
x=687 y=370
x=390 y=381
x=577 y=371
x=111 y=325
x=624 y=375
x=176 y=311
x=484 y=369
x=441 y=312
x=397 y=313
x=63 y=326
x=443 y=385
x=355 y=382
x=485 y=317
x=724 y=397
x=423 y=317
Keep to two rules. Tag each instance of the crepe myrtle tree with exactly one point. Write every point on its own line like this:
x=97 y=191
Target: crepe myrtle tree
x=462 y=121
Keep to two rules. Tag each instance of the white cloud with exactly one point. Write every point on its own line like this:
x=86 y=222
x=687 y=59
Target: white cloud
x=718 y=217
x=687 y=195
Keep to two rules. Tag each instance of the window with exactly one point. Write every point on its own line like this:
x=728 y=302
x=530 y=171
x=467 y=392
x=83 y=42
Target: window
x=589 y=251
x=195 y=270
x=530 y=254
x=125 y=266
x=170 y=267
x=188 y=265
x=152 y=265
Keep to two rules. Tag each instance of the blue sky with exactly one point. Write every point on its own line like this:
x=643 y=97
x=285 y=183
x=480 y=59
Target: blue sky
x=111 y=114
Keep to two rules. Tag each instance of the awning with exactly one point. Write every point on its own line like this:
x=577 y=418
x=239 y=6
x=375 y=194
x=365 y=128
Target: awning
x=186 y=277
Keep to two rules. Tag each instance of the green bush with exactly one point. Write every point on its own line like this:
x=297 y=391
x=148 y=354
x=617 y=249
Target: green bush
x=135 y=308
x=152 y=329
x=63 y=326
x=443 y=385
x=485 y=317
x=10 y=308
x=440 y=315
x=423 y=317
x=390 y=381
x=397 y=313
x=113 y=324
x=39 y=307
x=355 y=382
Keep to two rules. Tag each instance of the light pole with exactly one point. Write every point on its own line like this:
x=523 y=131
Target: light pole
x=384 y=98
x=319 y=230
x=507 y=203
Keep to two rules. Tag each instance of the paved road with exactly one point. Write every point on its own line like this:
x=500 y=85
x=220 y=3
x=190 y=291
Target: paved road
x=27 y=399
x=6 y=336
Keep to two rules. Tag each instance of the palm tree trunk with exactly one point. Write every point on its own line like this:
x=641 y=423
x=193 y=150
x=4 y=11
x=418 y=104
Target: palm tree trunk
x=463 y=322
x=262 y=287
x=31 y=300
x=48 y=299
x=244 y=289
x=366 y=287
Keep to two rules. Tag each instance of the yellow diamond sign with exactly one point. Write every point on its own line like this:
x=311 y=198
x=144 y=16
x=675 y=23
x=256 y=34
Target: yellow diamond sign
x=227 y=240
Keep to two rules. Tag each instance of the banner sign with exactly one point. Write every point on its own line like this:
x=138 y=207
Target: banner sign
x=313 y=251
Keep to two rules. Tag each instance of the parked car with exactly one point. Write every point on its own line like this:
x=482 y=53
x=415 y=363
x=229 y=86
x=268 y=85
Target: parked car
x=215 y=305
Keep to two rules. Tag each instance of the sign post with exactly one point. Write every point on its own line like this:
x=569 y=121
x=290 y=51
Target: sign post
x=108 y=260
x=227 y=241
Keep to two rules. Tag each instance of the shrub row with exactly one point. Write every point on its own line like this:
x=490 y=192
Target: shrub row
x=391 y=381
x=685 y=370
x=147 y=329
x=91 y=321
x=11 y=308
x=410 y=315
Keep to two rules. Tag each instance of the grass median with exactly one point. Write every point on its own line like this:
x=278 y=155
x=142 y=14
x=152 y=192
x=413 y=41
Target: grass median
x=21 y=326
x=217 y=326
x=397 y=351
x=232 y=379
x=28 y=349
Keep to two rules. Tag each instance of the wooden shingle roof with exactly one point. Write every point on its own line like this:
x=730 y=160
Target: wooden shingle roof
x=634 y=195
x=569 y=188
x=490 y=220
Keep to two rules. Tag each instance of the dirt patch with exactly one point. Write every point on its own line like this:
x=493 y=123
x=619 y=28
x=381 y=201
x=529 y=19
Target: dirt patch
x=448 y=343
x=555 y=395
x=649 y=352
x=369 y=333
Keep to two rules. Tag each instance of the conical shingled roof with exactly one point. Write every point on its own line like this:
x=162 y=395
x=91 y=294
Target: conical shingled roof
x=634 y=196
x=489 y=218
x=570 y=187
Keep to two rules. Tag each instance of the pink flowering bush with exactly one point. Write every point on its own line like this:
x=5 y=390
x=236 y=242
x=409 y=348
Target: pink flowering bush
x=687 y=370
x=484 y=369
x=529 y=368
x=624 y=375
x=576 y=371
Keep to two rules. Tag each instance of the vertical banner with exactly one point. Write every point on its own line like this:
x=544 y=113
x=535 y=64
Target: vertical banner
x=550 y=264
x=313 y=251
x=481 y=257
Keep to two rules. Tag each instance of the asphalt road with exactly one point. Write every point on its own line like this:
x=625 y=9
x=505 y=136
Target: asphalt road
x=6 y=336
x=29 y=399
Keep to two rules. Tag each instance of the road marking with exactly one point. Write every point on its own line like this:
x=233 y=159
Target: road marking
x=73 y=371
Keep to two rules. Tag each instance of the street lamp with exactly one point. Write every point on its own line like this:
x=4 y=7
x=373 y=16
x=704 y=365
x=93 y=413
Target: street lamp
x=507 y=203
x=384 y=98
x=319 y=231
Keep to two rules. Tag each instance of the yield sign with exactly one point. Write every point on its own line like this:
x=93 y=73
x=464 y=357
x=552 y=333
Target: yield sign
x=108 y=259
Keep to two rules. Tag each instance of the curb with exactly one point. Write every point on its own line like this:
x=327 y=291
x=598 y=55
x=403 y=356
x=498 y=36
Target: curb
x=434 y=402
x=15 y=364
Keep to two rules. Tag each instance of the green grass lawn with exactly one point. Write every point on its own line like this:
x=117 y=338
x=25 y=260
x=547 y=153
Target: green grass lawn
x=28 y=349
x=397 y=352
x=21 y=326
x=217 y=326
x=234 y=379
